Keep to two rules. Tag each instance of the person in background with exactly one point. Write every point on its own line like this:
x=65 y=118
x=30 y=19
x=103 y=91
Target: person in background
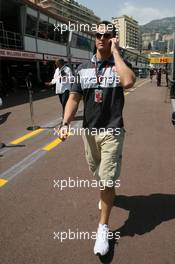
x=151 y=74
x=62 y=78
x=159 y=75
x=166 y=76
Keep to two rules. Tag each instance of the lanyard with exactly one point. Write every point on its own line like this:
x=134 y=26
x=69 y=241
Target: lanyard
x=97 y=75
x=60 y=75
x=61 y=68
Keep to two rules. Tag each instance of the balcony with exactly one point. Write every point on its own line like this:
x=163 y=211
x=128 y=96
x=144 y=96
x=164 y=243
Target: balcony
x=10 y=40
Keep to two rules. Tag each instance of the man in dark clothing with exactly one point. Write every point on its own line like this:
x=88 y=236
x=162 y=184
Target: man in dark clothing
x=151 y=73
x=101 y=83
x=159 y=75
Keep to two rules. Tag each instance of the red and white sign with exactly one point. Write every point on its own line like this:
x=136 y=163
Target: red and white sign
x=20 y=54
x=52 y=57
x=82 y=60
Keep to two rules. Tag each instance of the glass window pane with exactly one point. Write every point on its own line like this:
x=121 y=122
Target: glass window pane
x=81 y=42
x=42 y=31
x=31 y=25
x=50 y=31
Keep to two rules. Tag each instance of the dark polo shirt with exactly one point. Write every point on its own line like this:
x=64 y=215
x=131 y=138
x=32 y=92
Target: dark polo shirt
x=105 y=114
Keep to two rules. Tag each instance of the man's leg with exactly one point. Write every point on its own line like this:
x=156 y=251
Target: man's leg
x=92 y=154
x=109 y=170
x=107 y=199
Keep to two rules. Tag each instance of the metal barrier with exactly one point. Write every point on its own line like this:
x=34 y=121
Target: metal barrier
x=2 y=145
x=29 y=87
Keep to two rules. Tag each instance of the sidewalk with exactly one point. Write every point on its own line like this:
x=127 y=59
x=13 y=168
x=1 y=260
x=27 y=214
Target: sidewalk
x=144 y=212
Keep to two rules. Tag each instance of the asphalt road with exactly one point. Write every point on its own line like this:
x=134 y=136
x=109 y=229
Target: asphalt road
x=38 y=220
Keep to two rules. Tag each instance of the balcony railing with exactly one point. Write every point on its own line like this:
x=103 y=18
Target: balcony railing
x=11 y=40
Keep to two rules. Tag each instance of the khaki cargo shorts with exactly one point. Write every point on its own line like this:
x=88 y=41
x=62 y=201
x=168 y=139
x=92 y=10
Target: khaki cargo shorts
x=104 y=155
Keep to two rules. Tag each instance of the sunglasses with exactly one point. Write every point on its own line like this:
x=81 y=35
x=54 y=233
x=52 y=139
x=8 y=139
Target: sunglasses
x=105 y=35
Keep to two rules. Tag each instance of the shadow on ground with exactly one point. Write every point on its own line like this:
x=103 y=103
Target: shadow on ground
x=145 y=213
x=3 y=118
x=22 y=97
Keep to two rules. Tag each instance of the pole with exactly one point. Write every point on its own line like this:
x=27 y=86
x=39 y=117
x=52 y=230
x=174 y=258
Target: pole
x=172 y=91
x=2 y=145
x=29 y=86
x=69 y=49
x=173 y=63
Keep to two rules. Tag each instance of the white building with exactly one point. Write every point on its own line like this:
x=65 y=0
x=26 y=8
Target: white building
x=128 y=31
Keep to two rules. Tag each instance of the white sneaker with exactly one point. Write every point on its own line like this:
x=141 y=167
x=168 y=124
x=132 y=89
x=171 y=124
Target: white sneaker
x=102 y=245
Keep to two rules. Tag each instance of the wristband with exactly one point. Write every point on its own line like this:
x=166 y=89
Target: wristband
x=65 y=124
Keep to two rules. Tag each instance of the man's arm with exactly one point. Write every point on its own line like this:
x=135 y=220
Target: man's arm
x=126 y=75
x=56 y=77
x=71 y=107
x=70 y=111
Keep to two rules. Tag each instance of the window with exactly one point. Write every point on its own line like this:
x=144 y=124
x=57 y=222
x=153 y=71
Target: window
x=65 y=36
x=61 y=37
x=81 y=42
x=43 y=29
x=74 y=40
x=57 y=36
x=31 y=25
x=50 y=31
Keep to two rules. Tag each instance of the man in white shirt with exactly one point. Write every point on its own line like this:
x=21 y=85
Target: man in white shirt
x=62 y=78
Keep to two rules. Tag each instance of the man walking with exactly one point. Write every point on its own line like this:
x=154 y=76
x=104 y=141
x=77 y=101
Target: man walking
x=151 y=74
x=62 y=78
x=103 y=105
x=159 y=75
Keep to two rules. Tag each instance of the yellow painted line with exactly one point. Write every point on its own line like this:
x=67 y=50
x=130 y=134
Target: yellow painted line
x=31 y=134
x=132 y=89
x=139 y=85
x=52 y=145
x=3 y=182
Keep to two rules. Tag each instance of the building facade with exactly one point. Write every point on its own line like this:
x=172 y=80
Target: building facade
x=69 y=9
x=169 y=38
x=157 y=42
x=30 y=43
x=128 y=31
x=147 y=39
